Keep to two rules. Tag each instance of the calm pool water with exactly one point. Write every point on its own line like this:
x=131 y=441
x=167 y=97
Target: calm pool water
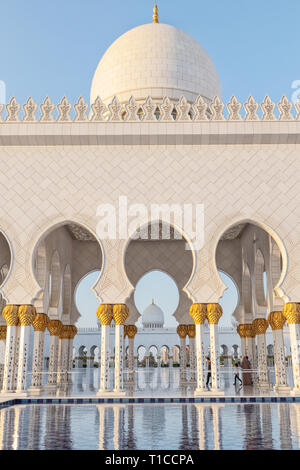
x=151 y=427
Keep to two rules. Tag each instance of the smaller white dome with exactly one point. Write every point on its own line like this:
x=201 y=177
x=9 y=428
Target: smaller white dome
x=153 y=317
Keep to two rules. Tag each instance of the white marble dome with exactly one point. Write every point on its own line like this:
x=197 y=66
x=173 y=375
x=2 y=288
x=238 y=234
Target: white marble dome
x=155 y=60
x=153 y=317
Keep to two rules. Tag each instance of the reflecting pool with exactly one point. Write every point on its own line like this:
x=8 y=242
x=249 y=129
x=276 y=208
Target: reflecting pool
x=151 y=427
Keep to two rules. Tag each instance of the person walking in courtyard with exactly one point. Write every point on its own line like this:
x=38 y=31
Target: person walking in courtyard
x=246 y=374
x=208 y=371
x=236 y=374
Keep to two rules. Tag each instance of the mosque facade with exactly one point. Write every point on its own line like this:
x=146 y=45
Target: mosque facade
x=225 y=177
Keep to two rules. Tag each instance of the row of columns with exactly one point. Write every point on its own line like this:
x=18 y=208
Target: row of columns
x=257 y=329
x=250 y=333
x=19 y=319
x=256 y=332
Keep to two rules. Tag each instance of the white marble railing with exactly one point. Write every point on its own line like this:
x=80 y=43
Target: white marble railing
x=165 y=111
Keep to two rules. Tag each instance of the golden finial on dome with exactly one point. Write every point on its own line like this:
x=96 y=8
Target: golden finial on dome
x=155 y=14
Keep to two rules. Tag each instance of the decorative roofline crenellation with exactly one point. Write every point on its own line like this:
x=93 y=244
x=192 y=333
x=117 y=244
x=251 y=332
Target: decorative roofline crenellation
x=166 y=111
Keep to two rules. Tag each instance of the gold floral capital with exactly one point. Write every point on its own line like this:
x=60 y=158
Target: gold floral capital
x=198 y=313
x=191 y=331
x=131 y=331
x=260 y=326
x=3 y=330
x=40 y=322
x=291 y=311
x=54 y=327
x=246 y=330
x=182 y=331
x=214 y=313
x=120 y=313
x=26 y=314
x=105 y=314
x=276 y=320
x=10 y=314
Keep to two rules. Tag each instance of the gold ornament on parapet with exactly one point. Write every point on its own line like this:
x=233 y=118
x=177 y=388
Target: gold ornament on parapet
x=3 y=331
x=291 y=311
x=260 y=326
x=191 y=331
x=105 y=314
x=199 y=313
x=182 y=331
x=54 y=327
x=26 y=314
x=120 y=313
x=276 y=320
x=40 y=322
x=10 y=314
x=214 y=313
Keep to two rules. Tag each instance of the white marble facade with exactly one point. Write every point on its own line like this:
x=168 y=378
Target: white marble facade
x=156 y=132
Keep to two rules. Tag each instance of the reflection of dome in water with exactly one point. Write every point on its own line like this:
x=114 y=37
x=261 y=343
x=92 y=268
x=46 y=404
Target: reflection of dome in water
x=153 y=317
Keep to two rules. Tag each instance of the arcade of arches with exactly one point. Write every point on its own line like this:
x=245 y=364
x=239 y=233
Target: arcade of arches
x=67 y=252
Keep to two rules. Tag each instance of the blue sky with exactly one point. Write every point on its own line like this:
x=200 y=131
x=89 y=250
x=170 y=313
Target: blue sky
x=53 y=48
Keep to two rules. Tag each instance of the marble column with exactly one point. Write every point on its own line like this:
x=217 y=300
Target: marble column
x=260 y=326
x=10 y=314
x=54 y=327
x=90 y=362
x=39 y=324
x=291 y=312
x=17 y=352
x=64 y=356
x=26 y=316
x=105 y=315
x=120 y=314
x=191 y=330
x=214 y=313
x=199 y=314
x=131 y=331
x=182 y=332
x=276 y=321
x=3 y=331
